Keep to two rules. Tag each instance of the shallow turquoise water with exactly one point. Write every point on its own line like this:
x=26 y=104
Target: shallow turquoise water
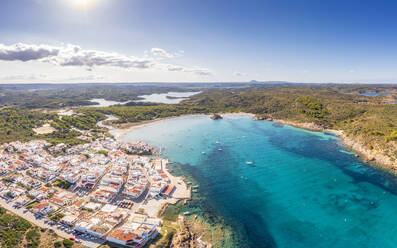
x=302 y=190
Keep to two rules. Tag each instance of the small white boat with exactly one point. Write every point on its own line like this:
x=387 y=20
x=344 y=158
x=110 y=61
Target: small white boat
x=249 y=162
x=202 y=152
x=220 y=149
x=186 y=213
x=217 y=142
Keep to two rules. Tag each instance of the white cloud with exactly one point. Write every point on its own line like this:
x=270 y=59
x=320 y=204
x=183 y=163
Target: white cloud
x=194 y=70
x=199 y=71
x=84 y=78
x=240 y=74
x=73 y=55
x=18 y=77
x=41 y=77
x=24 y=52
x=161 y=53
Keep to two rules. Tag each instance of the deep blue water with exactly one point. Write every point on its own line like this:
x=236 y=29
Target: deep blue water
x=375 y=94
x=302 y=190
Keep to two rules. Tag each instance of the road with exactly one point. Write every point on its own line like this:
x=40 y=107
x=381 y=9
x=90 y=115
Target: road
x=41 y=222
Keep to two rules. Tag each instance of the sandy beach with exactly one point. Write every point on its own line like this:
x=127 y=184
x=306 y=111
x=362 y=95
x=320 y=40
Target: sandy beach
x=374 y=157
x=119 y=130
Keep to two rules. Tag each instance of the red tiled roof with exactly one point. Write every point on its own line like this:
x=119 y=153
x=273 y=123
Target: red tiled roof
x=168 y=189
x=57 y=200
x=123 y=235
x=41 y=205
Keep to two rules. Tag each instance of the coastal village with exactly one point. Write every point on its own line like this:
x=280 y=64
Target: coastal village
x=100 y=191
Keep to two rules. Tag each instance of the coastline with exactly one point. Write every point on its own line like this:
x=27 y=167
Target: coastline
x=120 y=130
x=186 y=230
x=373 y=157
x=190 y=231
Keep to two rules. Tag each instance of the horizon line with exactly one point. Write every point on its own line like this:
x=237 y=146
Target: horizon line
x=252 y=82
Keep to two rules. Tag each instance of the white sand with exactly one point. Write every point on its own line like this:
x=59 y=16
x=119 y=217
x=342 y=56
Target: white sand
x=46 y=128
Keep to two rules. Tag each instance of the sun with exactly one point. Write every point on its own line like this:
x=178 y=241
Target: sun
x=83 y=4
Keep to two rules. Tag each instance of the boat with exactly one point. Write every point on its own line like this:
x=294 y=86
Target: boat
x=186 y=213
x=195 y=186
x=249 y=162
x=220 y=149
x=217 y=142
x=202 y=152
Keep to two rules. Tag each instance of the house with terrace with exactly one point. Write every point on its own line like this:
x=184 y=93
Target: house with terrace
x=44 y=208
x=102 y=222
x=136 y=231
x=63 y=198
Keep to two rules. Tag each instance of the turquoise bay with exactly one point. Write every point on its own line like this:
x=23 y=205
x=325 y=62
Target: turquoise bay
x=301 y=190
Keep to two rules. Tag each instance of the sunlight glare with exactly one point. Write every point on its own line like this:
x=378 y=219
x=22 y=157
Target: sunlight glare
x=83 y=4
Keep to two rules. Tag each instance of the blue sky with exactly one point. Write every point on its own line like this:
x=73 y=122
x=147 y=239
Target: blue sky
x=193 y=41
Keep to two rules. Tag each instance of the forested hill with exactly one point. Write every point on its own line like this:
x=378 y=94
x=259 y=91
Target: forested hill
x=365 y=118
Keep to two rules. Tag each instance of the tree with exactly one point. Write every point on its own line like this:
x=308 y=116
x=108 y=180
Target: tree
x=57 y=244
x=67 y=243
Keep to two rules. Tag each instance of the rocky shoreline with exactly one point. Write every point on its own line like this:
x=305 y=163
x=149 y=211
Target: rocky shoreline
x=186 y=236
x=369 y=156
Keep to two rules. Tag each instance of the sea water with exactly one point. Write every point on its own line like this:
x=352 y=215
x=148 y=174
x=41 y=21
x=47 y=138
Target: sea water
x=177 y=97
x=298 y=189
